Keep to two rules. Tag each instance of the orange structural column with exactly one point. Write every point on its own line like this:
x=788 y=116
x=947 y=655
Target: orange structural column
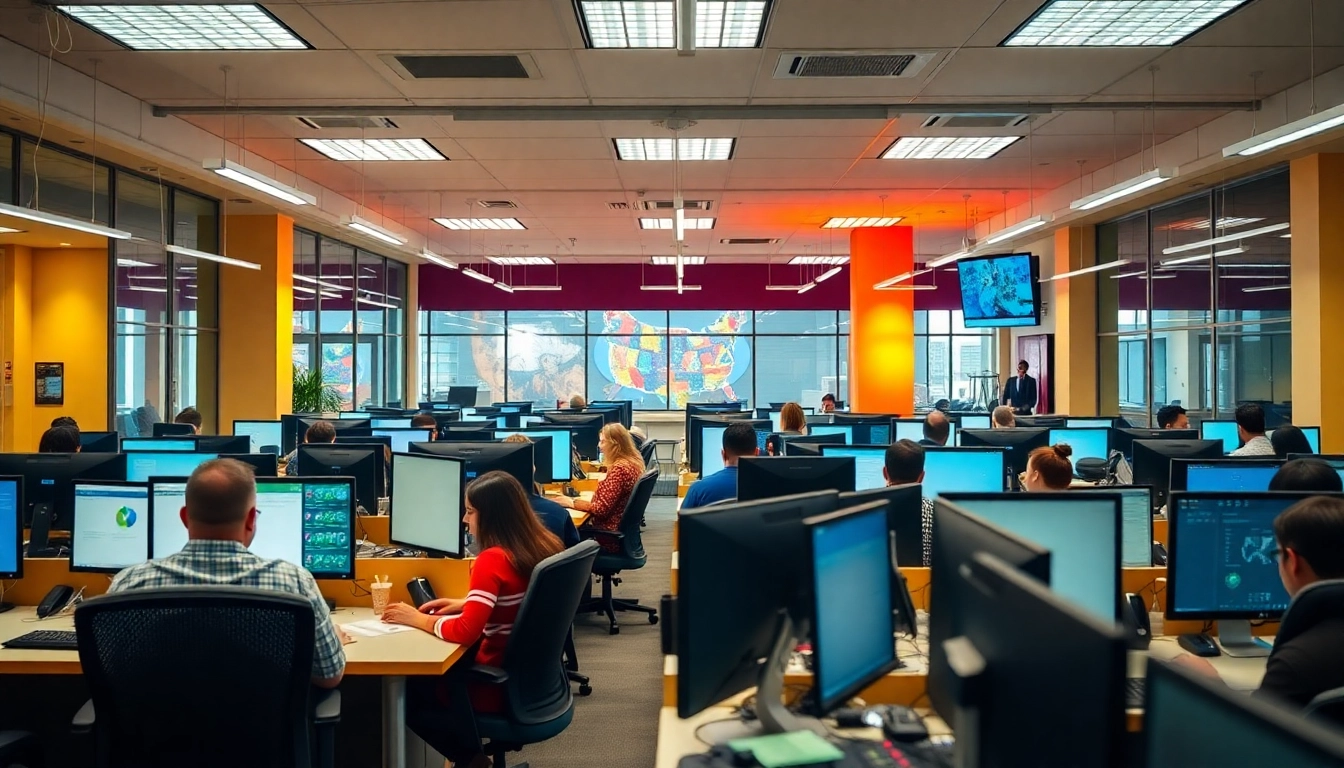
x=881 y=323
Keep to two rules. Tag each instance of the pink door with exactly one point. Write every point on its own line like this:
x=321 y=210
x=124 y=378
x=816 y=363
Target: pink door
x=1036 y=351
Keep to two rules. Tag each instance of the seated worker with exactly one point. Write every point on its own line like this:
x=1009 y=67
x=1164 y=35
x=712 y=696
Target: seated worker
x=904 y=465
x=1003 y=418
x=937 y=429
x=577 y=402
x=1289 y=439
x=221 y=519
x=512 y=542
x=1251 y=429
x=738 y=440
x=554 y=517
x=624 y=467
x=426 y=421
x=1049 y=469
x=1310 y=537
x=791 y=420
x=638 y=434
x=828 y=403
x=189 y=415
x=1306 y=475
x=320 y=432
x=59 y=440
x=1172 y=417
x=64 y=421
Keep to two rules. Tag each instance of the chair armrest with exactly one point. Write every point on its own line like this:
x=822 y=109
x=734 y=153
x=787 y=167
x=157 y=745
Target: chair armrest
x=487 y=674
x=327 y=707
x=1332 y=697
x=83 y=719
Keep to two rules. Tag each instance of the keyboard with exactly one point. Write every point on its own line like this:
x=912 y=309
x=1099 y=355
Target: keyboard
x=44 y=640
x=1134 y=692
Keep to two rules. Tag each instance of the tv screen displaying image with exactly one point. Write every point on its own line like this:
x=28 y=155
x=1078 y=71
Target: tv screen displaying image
x=1000 y=291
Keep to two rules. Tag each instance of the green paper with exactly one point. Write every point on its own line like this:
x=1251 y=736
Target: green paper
x=789 y=749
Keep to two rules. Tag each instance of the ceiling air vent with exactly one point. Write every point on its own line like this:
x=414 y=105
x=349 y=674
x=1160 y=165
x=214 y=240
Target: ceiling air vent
x=619 y=206
x=497 y=204
x=328 y=123
x=668 y=205
x=465 y=67
x=975 y=121
x=749 y=240
x=795 y=64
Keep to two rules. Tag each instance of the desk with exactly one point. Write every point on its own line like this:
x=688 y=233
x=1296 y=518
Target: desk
x=578 y=517
x=391 y=657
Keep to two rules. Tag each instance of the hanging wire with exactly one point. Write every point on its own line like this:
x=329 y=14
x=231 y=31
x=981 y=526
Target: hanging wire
x=1311 y=48
x=93 y=166
x=1255 y=97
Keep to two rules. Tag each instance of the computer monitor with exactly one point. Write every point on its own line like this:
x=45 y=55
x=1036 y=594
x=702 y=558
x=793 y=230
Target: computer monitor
x=820 y=430
x=739 y=592
x=262 y=436
x=809 y=445
x=1313 y=435
x=513 y=458
x=974 y=421
x=610 y=415
x=1222 y=565
x=913 y=429
x=382 y=440
x=1136 y=522
x=1335 y=461
x=1189 y=719
x=869 y=461
x=483 y=433
x=1026 y=661
x=698 y=447
x=170 y=429
x=1224 y=430
x=402 y=437
x=905 y=519
x=1085 y=442
x=1085 y=422
x=464 y=397
x=167 y=532
x=48 y=480
x=561 y=468
x=852 y=629
x=627 y=408
x=141 y=466
x=769 y=477
x=1017 y=443
x=1050 y=421
x=308 y=521
x=525 y=406
x=1082 y=532
x=111 y=526
x=958 y=536
x=426 y=505
x=584 y=428
x=367 y=464
x=1152 y=461
x=1122 y=438
x=969 y=470
x=543 y=457
x=157 y=444
x=262 y=464
x=223 y=444
x=866 y=428
x=11 y=530
x=390 y=422
x=360 y=426
x=1223 y=474
x=99 y=442
x=352 y=415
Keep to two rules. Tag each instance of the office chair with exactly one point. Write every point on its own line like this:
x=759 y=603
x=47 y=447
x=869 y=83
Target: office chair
x=631 y=556
x=571 y=666
x=649 y=452
x=538 y=704
x=1327 y=707
x=177 y=675
x=20 y=748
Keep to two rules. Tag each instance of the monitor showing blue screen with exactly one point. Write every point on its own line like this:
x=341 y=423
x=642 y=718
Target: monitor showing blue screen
x=260 y=433
x=402 y=438
x=774 y=419
x=156 y=444
x=1313 y=435
x=1081 y=423
x=962 y=469
x=975 y=422
x=1221 y=430
x=711 y=447
x=832 y=429
x=390 y=423
x=352 y=415
x=869 y=460
x=1080 y=530
x=561 y=448
x=911 y=429
x=1086 y=443
x=1136 y=523
x=11 y=528
x=1223 y=560
x=1230 y=475
x=142 y=466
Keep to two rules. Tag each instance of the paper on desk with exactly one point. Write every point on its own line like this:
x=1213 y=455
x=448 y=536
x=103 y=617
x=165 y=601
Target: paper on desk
x=374 y=628
x=787 y=749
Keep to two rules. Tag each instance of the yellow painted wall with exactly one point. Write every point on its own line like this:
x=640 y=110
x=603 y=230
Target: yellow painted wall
x=1317 y=216
x=256 y=310
x=1075 y=312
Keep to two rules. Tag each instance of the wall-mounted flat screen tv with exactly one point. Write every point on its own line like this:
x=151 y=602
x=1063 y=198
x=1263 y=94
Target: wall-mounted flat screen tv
x=1000 y=291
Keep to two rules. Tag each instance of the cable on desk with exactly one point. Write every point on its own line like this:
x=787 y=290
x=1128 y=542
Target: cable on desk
x=711 y=722
x=358 y=590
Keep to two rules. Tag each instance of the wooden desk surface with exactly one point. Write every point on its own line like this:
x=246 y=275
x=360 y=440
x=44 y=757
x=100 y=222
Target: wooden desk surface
x=405 y=653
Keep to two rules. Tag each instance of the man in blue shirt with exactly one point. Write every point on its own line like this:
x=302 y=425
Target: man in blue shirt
x=738 y=440
x=554 y=517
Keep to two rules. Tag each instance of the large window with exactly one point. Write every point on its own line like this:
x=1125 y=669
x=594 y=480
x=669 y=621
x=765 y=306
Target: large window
x=1201 y=316
x=349 y=319
x=948 y=358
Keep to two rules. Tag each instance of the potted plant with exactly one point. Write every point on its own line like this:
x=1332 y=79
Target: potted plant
x=312 y=394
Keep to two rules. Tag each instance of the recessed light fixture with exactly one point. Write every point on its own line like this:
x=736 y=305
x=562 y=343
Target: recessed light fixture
x=653 y=23
x=1226 y=238
x=661 y=149
x=1119 y=23
x=705 y=222
x=671 y=261
x=818 y=260
x=235 y=172
x=853 y=222
x=174 y=27
x=1298 y=129
x=376 y=150
x=1123 y=189
x=64 y=222
x=947 y=147
x=373 y=230
x=521 y=261
x=480 y=223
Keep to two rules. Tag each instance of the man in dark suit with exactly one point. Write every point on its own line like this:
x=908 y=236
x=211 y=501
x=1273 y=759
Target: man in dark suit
x=1020 y=392
x=937 y=429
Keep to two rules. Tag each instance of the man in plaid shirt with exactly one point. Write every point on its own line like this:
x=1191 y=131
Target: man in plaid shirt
x=221 y=520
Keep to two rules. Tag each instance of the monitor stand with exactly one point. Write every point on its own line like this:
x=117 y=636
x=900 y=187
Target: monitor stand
x=40 y=534
x=968 y=670
x=1236 y=640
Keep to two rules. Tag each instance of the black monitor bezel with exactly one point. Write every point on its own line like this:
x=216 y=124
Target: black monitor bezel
x=305 y=454
x=278 y=422
x=1019 y=441
x=1180 y=468
x=461 y=471
x=569 y=459
x=88 y=440
x=753 y=465
x=154 y=512
x=1162 y=490
x=324 y=480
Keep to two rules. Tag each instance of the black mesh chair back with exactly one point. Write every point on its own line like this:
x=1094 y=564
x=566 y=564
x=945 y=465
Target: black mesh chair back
x=538 y=687
x=198 y=676
x=649 y=451
x=632 y=519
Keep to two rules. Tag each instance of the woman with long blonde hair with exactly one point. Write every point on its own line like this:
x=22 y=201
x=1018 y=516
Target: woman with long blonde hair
x=791 y=419
x=624 y=467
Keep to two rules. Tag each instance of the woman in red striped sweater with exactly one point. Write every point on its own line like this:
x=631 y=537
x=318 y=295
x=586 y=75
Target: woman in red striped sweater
x=512 y=542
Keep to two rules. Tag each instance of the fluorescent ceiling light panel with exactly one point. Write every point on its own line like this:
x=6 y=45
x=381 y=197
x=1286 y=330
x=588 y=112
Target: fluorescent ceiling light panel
x=653 y=23
x=696 y=223
x=1123 y=189
x=808 y=287
x=677 y=288
x=374 y=231
x=505 y=287
x=435 y=258
x=818 y=260
x=536 y=288
x=1025 y=225
x=192 y=252
x=473 y=274
x=480 y=223
x=661 y=149
x=853 y=222
x=951 y=257
x=147 y=288
x=909 y=287
x=521 y=261
x=671 y=261
x=132 y=263
x=376 y=150
x=1226 y=239
x=828 y=274
x=1088 y=270
x=64 y=222
x=173 y=27
x=792 y=288
x=1119 y=23
x=1298 y=129
x=948 y=147
x=235 y=172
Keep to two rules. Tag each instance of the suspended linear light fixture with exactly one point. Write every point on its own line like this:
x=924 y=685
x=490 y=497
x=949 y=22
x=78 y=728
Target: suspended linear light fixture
x=192 y=252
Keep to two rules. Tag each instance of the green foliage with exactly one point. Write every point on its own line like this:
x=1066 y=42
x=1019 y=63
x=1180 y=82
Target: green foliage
x=311 y=394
